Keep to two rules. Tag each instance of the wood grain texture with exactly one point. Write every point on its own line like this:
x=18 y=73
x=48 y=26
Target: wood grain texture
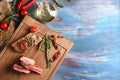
x=5 y=35
x=8 y=56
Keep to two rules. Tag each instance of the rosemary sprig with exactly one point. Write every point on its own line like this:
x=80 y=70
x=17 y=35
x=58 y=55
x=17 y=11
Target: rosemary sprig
x=41 y=43
x=47 y=48
x=47 y=43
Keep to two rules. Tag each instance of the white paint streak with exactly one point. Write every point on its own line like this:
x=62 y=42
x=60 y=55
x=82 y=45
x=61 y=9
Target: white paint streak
x=91 y=74
x=87 y=57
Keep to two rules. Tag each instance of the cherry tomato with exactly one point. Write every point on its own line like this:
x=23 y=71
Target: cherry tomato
x=33 y=29
x=24 y=12
x=4 y=25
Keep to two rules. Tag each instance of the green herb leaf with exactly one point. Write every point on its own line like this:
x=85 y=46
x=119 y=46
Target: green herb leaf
x=29 y=41
x=47 y=47
x=47 y=41
x=58 y=3
x=53 y=41
x=41 y=43
x=9 y=16
x=14 y=3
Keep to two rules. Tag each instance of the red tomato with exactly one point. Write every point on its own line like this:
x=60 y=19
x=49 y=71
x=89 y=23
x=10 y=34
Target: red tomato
x=24 y=12
x=33 y=29
x=4 y=25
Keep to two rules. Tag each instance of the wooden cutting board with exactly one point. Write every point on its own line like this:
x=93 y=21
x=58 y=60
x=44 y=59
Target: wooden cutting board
x=8 y=56
x=5 y=34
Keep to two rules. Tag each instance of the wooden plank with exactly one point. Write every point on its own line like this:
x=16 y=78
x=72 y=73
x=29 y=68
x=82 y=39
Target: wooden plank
x=5 y=35
x=95 y=29
x=9 y=57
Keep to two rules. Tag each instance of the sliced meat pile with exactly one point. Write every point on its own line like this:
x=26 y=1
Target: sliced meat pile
x=20 y=69
x=35 y=69
x=30 y=39
x=27 y=65
x=25 y=61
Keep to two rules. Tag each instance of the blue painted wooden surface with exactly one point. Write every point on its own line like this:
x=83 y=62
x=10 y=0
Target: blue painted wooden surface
x=94 y=27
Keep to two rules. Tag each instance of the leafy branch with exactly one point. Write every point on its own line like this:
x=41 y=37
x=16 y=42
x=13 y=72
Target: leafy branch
x=46 y=42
